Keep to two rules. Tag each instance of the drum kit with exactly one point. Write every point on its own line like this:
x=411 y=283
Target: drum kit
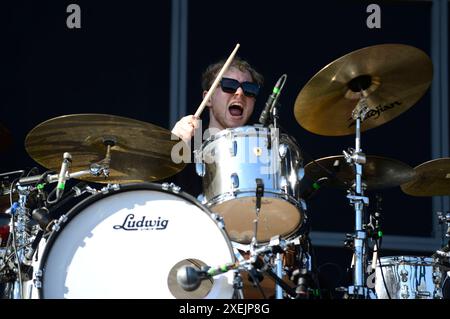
x=131 y=237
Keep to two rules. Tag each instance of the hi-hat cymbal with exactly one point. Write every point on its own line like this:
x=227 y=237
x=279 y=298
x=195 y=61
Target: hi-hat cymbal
x=432 y=179
x=141 y=151
x=393 y=77
x=378 y=172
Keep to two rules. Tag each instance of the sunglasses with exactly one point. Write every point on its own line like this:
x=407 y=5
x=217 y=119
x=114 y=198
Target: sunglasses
x=231 y=85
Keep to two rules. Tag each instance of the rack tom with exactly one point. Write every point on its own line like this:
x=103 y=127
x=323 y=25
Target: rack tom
x=230 y=162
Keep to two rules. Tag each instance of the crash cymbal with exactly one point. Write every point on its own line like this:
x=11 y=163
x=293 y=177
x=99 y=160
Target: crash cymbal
x=141 y=151
x=393 y=78
x=432 y=179
x=378 y=172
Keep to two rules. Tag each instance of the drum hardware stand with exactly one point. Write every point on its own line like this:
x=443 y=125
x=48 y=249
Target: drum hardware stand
x=264 y=267
x=279 y=273
x=102 y=167
x=375 y=233
x=20 y=240
x=357 y=199
x=275 y=246
x=303 y=276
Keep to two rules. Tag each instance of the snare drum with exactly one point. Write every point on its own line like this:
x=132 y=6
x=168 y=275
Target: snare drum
x=130 y=242
x=231 y=161
x=409 y=277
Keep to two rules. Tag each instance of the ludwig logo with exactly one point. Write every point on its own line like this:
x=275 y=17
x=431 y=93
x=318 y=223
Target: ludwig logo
x=130 y=223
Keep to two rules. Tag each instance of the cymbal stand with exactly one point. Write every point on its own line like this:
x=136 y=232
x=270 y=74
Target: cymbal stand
x=20 y=241
x=102 y=167
x=357 y=199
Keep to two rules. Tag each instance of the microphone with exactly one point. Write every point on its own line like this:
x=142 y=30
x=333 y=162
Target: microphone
x=44 y=216
x=272 y=100
x=190 y=278
x=312 y=190
x=67 y=160
x=28 y=256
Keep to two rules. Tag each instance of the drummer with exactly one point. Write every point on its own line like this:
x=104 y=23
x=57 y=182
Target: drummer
x=230 y=106
x=233 y=101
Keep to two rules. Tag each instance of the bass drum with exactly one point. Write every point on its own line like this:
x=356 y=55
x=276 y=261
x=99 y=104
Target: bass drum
x=129 y=243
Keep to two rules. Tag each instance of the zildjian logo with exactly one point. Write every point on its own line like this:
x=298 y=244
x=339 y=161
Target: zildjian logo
x=376 y=112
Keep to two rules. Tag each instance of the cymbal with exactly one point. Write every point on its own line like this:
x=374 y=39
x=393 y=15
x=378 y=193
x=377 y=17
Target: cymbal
x=141 y=151
x=393 y=78
x=432 y=179
x=378 y=172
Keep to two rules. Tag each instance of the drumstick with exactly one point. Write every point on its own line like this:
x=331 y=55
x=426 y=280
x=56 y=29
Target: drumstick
x=216 y=81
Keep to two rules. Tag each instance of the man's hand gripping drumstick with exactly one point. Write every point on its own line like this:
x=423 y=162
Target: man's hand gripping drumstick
x=185 y=127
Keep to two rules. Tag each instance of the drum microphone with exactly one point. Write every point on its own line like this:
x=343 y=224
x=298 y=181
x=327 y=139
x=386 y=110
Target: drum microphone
x=67 y=160
x=272 y=100
x=190 y=278
x=312 y=190
x=28 y=256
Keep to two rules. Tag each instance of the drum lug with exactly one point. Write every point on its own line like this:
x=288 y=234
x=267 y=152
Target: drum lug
x=110 y=187
x=282 y=150
x=56 y=226
x=200 y=169
x=37 y=281
x=233 y=148
x=300 y=173
x=218 y=219
x=404 y=292
x=174 y=188
x=283 y=184
x=234 y=181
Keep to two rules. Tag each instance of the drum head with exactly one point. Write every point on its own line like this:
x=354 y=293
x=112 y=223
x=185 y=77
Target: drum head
x=130 y=244
x=276 y=217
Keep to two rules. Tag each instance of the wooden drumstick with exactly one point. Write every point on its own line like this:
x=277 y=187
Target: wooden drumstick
x=216 y=82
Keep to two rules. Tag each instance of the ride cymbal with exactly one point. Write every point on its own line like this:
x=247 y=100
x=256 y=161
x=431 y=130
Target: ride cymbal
x=141 y=151
x=378 y=172
x=392 y=77
x=432 y=179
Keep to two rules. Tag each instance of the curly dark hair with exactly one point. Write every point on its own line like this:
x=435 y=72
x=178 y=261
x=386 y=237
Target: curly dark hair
x=212 y=70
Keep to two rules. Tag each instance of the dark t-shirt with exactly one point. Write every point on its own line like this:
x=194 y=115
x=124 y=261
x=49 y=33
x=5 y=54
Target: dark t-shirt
x=187 y=178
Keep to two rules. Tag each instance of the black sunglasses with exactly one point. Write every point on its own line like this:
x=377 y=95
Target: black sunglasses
x=231 y=85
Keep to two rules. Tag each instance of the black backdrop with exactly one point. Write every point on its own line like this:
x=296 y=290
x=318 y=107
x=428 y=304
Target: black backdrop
x=119 y=63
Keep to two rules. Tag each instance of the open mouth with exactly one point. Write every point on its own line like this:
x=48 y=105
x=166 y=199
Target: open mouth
x=235 y=110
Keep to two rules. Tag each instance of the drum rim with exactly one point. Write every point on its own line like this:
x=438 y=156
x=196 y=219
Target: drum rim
x=387 y=261
x=79 y=207
x=225 y=132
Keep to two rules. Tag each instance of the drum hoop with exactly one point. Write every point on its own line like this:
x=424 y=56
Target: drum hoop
x=227 y=131
x=388 y=261
x=74 y=211
x=221 y=198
